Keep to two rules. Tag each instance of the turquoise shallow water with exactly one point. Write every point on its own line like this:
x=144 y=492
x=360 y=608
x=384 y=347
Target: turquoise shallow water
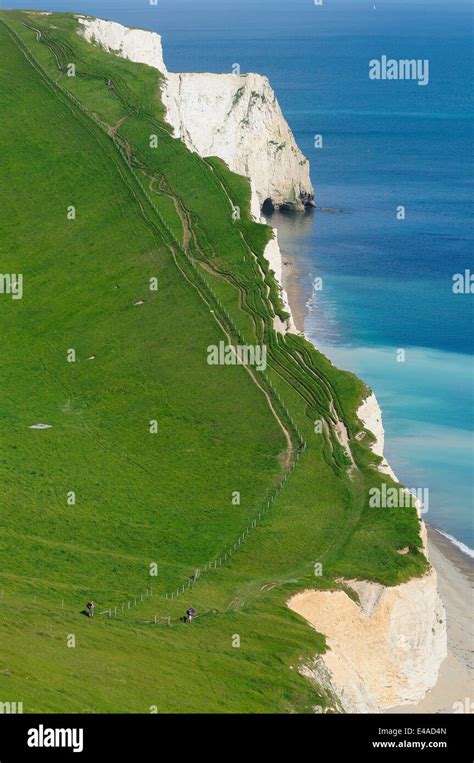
x=427 y=442
x=386 y=282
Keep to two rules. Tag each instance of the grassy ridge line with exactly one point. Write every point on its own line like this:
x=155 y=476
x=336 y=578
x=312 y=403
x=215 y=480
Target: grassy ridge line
x=328 y=392
x=291 y=349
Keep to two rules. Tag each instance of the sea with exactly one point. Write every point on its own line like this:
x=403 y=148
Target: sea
x=391 y=163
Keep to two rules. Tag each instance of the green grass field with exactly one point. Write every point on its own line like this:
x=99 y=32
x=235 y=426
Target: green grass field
x=166 y=498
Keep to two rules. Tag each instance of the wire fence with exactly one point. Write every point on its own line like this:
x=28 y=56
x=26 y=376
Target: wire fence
x=215 y=563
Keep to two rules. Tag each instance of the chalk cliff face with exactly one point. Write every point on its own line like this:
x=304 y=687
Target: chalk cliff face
x=384 y=651
x=234 y=117
x=272 y=254
x=237 y=117
x=371 y=417
x=134 y=44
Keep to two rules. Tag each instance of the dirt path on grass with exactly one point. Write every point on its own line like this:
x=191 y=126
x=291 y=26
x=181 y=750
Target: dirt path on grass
x=113 y=130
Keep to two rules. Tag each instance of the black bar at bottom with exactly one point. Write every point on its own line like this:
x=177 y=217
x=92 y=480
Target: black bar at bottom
x=137 y=737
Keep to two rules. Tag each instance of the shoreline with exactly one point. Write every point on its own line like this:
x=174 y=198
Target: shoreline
x=454 y=555
x=290 y=275
x=455 y=576
x=454 y=688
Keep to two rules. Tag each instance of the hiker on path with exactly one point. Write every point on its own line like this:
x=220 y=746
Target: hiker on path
x=190 y=614
x=90 y=609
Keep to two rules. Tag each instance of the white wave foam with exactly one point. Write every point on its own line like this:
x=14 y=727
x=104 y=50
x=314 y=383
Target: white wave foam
x=465 y=549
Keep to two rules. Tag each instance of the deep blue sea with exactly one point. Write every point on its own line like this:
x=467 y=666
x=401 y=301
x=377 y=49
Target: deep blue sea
x=387 y=283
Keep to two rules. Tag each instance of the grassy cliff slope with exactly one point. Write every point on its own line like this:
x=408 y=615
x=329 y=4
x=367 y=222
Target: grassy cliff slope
x=79 y=147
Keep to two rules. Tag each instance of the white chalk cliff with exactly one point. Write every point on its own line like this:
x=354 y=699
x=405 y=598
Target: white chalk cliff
x=370 y=415
x=385 y=650
x=235 y=117
x=136 y=45
x=272 y=254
